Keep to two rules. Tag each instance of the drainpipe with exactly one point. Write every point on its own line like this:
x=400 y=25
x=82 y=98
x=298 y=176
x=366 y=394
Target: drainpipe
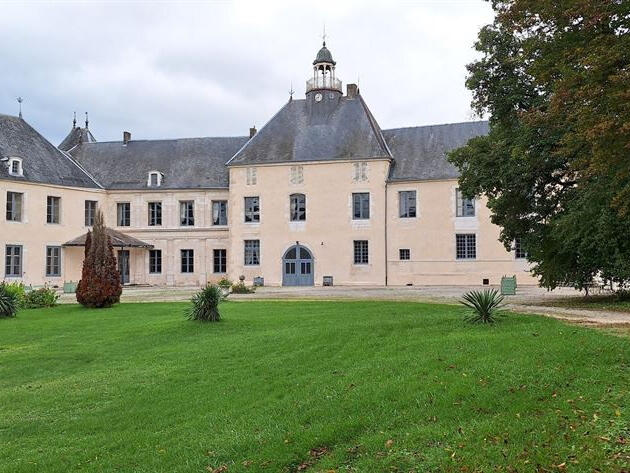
x=386 y=232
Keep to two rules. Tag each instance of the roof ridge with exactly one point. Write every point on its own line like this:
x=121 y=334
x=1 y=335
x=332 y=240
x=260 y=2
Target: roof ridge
x=436 y=124
x=168 y=139
x=375 y=127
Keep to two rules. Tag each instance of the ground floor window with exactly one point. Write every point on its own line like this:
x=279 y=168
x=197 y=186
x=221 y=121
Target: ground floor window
x=519 y=250
x=466 y=246
x=53 y=261
x=219 y=261
x=404 y=253
x=188 y=261
x=252 y=252
x=155 y=261
x=361 y=252
x=13 y=261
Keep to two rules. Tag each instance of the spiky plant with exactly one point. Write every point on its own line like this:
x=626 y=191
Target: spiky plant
x=484 y=306
x=8 y=302
x=205 y=304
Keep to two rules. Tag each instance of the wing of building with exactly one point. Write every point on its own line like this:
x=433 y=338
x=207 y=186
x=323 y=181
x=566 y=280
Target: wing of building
x=320 y=195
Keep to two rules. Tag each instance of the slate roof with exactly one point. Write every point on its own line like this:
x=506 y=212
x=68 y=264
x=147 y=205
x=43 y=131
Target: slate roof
x=41 y=161
x=324 y=55
x=76 y=136
x=420 y=152
x=304 y=130
x=118 y=239
x=186 y=163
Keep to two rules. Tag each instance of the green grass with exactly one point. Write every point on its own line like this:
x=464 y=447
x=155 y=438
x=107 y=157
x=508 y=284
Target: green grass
x=597 y=302
x=309 y=386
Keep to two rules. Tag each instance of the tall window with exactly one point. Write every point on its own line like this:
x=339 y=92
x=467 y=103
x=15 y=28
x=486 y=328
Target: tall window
x=219 y=212
x=361 y=252
x=297 y=175
x=188 y=261
x=187 y=213
x=361 y=205
x=14 y=206
x=519 y=250
x=155 y=214
x=219 y=261
x=90 y=212
x=360 y=172
x=298 y=207
x=53 y=261
x=252 y=209
x=251 y=176
x=252 y=252
x=465 y=207
x=123 y=214
x=155 y=261
x=465 y=246
x=52 y=209
x=407 y=204
x=404 y=253
x=13 y=261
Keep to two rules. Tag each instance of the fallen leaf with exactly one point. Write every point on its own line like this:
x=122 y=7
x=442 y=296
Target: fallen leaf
x=389 y=443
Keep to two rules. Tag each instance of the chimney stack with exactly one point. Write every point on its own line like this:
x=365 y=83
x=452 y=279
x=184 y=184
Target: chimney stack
x=126 y=137
x=352 y=90
x=252 y=131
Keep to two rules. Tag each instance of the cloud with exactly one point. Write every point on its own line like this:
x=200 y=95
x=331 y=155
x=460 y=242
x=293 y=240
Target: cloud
x=212 y=69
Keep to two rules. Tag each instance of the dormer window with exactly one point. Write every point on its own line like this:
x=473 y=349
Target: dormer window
x=155 y=179
x=15 y=167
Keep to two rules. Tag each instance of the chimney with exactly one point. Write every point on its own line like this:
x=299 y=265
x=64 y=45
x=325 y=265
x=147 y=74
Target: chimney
x=252 y=131
x=126 y=137
x=352 y=90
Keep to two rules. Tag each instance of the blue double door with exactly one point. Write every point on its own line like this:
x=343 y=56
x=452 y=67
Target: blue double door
x=297 y=267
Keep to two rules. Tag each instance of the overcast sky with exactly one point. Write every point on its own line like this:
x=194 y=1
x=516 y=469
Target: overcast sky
x=165 y=70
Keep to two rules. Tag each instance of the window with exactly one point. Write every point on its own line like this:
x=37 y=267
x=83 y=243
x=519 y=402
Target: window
x=298 y=207
x=465 y=207
x=360 y=252
x=155 y=261
x=13 y=261
x=252 y=209
x=155 y=214
x=360 y=206
x=219 y=212
x=52 y=209
x=188 y=261
x=219 y=261
x=519 y=251
x=187 y=213
x=252 y=252
x=53 y=261
x=297 y=174
x=405 y=254
x=90 y=212
x=466 y=246
x=251 y=176
x=407 y=204
x=14 y=206
x=155 y=179
x=360 y=172
x=15 y=167
x=123 y=214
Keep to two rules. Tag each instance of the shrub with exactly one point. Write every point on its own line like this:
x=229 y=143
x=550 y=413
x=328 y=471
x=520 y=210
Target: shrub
x=484 y=306
x=44 y=297
x=241 y=288
x=205 y=304
x=8 y=301
x=224 y=283
x=100 y=280
x=17 y=290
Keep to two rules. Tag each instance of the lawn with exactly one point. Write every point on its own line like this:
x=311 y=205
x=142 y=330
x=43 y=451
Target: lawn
x=610 y=302
x=309 y=386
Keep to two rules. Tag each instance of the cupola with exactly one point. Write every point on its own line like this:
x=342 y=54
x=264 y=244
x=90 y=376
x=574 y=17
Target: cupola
x=324 y=77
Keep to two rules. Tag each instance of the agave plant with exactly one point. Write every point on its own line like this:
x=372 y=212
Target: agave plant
x=205 y=304
x=8 y=302
x=484 y=306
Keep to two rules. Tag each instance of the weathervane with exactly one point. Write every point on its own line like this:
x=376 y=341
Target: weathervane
x=291 y=91
x=324 y=35
x=20 y=100
x=74 y=120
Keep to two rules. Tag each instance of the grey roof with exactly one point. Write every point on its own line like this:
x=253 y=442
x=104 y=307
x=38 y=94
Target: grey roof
x=41 y=161
x=76 y=136
x=118 y=239
x=186 y=163
x=305 y=130
x=324 y=55
x=420 y=152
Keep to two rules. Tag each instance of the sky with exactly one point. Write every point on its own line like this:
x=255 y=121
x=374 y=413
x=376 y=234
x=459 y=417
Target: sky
x=188 y=69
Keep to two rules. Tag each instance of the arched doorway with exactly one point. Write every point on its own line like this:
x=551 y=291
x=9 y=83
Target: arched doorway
x=297 y=267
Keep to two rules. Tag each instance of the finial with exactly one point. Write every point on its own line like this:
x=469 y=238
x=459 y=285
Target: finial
x=324 y=35
x=86 y=120
x=20 y=100
x=291 y=91
x=74 y=120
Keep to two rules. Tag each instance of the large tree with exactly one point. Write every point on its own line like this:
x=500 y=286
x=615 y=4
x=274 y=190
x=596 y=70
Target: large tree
x=554 y=77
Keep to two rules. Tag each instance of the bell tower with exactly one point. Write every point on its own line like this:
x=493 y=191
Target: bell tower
x=324 y=77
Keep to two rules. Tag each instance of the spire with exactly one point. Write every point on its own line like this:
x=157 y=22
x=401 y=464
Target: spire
x=86 y=120
x=74 y=120
x=20 y=100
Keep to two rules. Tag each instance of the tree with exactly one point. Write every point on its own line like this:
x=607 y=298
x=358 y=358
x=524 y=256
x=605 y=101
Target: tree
x=554 y=77
x=100 y=280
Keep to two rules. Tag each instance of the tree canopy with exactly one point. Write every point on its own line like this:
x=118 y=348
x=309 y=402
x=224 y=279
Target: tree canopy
x=554 y=77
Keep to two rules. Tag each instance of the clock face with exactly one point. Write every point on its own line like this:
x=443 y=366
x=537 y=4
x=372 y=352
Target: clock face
x=318 y=97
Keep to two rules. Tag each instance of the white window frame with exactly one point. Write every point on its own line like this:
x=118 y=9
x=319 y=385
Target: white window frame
x=19 y=214
x=403 y=203
x=159 y=177
x=460 y=209
x=20 y=171
x=52 y=274
x=468 y=254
